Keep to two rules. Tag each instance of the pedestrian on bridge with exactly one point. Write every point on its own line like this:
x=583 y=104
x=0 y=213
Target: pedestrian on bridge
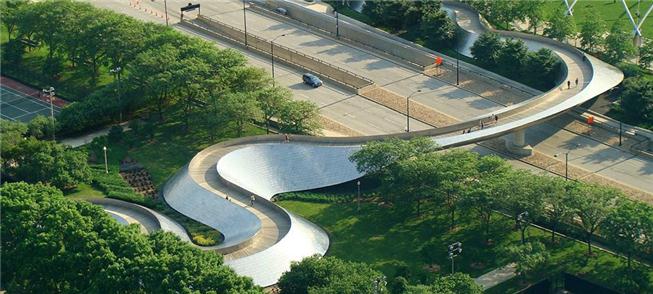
x=496 y=119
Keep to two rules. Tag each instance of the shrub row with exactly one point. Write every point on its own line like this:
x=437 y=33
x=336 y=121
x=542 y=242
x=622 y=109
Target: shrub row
x=116 y=187
x=315 y=197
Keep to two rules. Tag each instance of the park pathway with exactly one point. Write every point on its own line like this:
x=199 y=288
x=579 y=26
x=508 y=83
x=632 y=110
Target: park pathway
x=497 y=276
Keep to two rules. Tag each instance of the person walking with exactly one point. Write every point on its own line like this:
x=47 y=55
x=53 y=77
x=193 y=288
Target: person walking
x=287 y=139
x=568 y=85
x=496 y=118
x=251 y=200
x=576 y=82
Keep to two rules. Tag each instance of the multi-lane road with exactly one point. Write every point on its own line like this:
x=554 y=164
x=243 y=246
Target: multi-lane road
x=365 y=117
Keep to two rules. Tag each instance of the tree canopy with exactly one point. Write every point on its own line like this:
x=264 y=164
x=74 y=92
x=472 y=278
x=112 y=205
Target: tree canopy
x=52 y=244
x=330 y=275
x=25 y=158
x=512 y=59
x=162 y=70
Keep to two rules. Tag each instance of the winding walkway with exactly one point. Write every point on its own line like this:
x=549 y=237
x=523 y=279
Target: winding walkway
x=262 y=240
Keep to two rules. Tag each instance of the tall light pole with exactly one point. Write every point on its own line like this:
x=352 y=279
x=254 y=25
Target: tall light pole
x=566 y=162
x=522 y=222
x=457 y=67
x=272 y=55
x=50 y=93
x=165 y=7
x=337 y=24
x=358 y=184
x=454 y=249
x=408 y=109
x=106 y=163
x=245 y=21
x=116 y=75
x=620 y=131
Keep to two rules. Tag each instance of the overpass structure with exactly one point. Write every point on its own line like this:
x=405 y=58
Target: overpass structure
x=261 y=239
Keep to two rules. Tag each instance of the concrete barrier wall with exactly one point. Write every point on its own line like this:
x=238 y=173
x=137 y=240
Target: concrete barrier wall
x=378 y=40
x=282 y=53
x=351 y=31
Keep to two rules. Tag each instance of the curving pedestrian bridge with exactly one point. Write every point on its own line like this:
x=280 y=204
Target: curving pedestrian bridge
x=261 y=239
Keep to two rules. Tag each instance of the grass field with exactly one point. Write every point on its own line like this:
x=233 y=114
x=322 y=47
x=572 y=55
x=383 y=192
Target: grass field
x=611 y=11
x=392 y=241
x=170 y=149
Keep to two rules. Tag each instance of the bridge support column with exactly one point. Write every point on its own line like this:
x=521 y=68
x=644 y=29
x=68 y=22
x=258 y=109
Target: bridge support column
x=516 y=143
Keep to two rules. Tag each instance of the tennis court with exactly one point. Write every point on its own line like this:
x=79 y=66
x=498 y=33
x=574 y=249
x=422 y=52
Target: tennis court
x=22 y=107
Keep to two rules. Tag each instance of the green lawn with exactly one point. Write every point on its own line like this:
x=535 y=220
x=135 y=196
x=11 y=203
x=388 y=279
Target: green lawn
x=611 y=12
x=393 y=240
x=84 y=192
x=171 y=147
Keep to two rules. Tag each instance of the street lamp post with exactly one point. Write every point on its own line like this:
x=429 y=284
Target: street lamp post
x=245 y=21
x=50 y=93
x=620 y=132
x=116 y=75
x=566 y=162
x=106 y=163
x=522 y=221
x=408 y=109
x=455 y=249
x=358 y=184
x=165 y=8
x=457 y=67
x=272 y=55
x=567 y=166
x=337 y=24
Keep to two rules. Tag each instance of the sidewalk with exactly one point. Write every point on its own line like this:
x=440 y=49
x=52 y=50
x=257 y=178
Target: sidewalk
x=88 y=137
x=497 y=276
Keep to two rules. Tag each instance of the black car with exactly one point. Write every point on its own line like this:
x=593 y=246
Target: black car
x=311 y=80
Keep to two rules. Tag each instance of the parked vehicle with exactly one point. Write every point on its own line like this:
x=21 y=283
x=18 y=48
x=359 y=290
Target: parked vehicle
x=311 y=80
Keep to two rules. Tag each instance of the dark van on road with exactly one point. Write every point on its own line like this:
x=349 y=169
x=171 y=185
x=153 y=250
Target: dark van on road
x=311 y=80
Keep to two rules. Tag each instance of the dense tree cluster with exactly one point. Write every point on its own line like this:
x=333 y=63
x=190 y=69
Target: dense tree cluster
x=161 y=69
x=25 y=158
x=51 y=244
x=332 y=275
x=505 y=13
x=512 y=59
x=637 y=100
x=560 y=25
x=483 y=185
x=437 y=29
x=613 y=45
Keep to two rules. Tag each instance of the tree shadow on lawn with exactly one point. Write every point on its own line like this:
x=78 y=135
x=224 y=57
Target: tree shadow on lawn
x=389 y=239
